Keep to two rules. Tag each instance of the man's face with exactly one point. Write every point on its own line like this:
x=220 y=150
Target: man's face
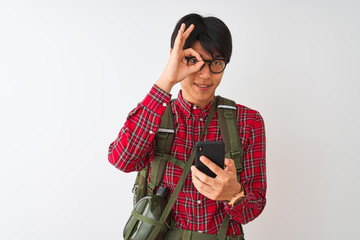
x=199 y=87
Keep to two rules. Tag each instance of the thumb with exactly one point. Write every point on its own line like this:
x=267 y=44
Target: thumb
x=196 y=67
x=229 y=165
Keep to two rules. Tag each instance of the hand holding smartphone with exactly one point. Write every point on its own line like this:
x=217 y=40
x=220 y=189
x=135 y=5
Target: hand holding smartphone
x=215 y=151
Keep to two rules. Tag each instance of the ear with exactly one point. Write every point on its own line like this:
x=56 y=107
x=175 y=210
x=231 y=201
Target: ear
x=170 y=51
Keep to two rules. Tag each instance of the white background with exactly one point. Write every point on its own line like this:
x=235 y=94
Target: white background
x=72 y=70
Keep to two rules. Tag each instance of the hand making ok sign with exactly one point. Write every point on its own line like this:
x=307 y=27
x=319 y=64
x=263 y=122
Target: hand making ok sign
x=176 y=69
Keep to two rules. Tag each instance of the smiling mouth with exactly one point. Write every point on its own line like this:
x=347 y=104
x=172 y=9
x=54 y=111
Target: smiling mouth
x=203 y=85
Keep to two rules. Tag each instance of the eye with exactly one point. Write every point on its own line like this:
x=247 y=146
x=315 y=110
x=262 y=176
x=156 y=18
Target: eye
x=217 y=62
x=193 y=60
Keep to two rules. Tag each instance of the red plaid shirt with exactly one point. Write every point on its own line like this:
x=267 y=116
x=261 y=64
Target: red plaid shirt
x=134 y=148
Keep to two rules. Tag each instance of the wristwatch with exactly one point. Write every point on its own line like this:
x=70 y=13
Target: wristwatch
x=236 y=199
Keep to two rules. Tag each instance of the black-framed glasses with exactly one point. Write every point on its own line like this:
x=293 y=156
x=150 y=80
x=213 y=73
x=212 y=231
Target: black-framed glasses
x=216 y=65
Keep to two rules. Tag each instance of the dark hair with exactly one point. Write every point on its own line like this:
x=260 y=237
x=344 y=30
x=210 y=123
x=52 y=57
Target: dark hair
x=212 y=33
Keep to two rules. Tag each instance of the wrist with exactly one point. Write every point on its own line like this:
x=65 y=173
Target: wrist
x=238 y=189
x=237 y=197
x=164 y=85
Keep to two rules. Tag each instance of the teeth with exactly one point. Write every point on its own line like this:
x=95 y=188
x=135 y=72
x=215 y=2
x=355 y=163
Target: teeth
x=203 y=86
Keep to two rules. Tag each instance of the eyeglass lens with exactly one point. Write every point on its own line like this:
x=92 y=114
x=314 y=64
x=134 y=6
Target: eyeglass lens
x=216 y=65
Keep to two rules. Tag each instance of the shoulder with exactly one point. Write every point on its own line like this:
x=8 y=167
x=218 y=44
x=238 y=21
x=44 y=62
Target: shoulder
x=250 y=124
x=248 y=116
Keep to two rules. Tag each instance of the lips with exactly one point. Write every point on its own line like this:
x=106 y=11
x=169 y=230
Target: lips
x=204 y=86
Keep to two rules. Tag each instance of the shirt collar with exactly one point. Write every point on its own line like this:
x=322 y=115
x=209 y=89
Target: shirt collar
x=191 y=109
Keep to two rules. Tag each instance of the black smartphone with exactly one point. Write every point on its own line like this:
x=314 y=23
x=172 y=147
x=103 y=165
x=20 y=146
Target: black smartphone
x=215 y=151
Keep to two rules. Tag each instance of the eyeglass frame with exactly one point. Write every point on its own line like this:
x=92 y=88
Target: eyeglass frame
x=208 y=61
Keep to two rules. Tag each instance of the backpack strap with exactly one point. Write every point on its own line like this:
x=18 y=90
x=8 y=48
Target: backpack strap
x=230 y=133
x=164 y=141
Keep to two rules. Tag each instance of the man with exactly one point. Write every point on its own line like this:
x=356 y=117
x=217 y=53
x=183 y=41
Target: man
x=200 y=50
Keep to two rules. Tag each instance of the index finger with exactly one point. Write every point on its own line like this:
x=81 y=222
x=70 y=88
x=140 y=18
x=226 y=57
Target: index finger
x=178 y=39
x=188 y=31
x=182 y=36
x=211 y=165
x=205 y=179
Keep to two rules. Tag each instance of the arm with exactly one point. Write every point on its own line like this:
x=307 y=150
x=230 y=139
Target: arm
x=132 y=149
x=253 y=177
x=135 y=144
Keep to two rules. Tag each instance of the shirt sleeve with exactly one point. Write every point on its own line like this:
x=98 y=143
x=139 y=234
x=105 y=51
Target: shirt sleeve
x=135 y=144
x=253 y=177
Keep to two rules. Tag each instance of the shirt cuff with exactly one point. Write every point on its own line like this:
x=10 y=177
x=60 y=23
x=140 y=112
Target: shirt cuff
x=156 y=100
x=236 y=211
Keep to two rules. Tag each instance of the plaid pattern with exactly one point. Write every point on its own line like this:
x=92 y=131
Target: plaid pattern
x=135 y=146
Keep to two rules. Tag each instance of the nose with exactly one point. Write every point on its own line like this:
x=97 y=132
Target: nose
x=205 y=71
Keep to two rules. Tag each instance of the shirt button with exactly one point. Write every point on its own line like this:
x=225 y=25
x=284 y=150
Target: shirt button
x=194 y=107
x=199 y=201
x=201 y=119
x=164 y=104
x=151 y=132
x=200 y=231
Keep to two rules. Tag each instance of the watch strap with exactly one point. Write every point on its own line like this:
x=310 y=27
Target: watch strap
x=236 y=198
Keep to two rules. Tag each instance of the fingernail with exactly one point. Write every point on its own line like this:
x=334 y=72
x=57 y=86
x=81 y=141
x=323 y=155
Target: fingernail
x=227 y=160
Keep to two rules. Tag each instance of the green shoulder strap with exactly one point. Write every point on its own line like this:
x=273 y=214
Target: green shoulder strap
x=230 y=133
x=164 y=141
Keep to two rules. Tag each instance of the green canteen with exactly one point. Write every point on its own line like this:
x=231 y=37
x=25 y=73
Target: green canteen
x=145 y=212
